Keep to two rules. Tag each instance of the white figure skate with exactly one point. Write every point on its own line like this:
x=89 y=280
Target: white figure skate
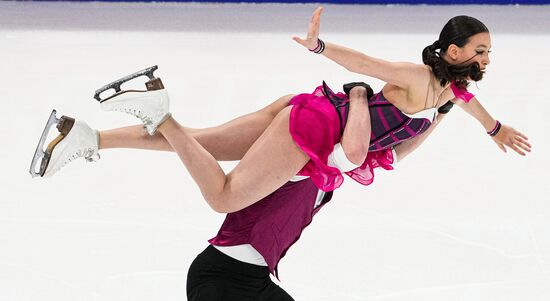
x=76 y=139
x=151 y=105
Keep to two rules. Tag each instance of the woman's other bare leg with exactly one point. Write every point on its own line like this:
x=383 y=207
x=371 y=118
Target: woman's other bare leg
x=269 y=163
x=226 y=142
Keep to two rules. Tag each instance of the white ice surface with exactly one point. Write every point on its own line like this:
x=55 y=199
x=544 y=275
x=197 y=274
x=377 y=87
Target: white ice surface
x=458 y=220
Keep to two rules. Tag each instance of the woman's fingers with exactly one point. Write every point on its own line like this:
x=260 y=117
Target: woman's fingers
x=316 y=17
x=523 y=140
x=299 y=40
x=522 y=135
x=517 y=149
x=315 y=24
x=510 y=137
x=313 y=31
x=517 y=145
x=523 y=144
x=318 y=11
x=518 y=142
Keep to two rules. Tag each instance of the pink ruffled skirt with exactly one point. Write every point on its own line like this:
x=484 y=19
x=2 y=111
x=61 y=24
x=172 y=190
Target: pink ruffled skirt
x=315 y=128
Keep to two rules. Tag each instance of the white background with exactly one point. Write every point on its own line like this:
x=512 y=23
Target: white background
x=458 y=220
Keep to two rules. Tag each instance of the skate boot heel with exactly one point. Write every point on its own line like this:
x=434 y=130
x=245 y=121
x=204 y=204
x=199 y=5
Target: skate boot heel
x=75 y=139
x=154 y=84
x=152 y=106
x=65 y=125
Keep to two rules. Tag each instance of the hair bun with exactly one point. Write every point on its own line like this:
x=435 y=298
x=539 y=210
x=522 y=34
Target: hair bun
x=437 y=44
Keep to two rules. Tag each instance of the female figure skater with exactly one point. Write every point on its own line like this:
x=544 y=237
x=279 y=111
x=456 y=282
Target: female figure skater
x=296 y=135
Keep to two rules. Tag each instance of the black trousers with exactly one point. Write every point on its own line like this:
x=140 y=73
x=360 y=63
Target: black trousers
x=215 y=276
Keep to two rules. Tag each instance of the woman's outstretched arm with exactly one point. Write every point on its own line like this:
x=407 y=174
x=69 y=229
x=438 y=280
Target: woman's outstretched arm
x=506 y=136
x=401 y=74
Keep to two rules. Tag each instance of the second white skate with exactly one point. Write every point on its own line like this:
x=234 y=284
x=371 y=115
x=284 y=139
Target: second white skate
x=151 y=105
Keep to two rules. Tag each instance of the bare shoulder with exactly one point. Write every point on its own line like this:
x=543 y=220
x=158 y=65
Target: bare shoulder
x=423 y=75
x=413 y=75
x=411 y=98
x=395 y=95
x=401 y=74
x=418 y=77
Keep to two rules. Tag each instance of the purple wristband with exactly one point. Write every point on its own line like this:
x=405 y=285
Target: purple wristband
x=320 y=47
x=495 y=130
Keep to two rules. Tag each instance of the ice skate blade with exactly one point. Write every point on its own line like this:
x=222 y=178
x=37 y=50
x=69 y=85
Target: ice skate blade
x=157 y=80
x=154 y=83
x=42 y=157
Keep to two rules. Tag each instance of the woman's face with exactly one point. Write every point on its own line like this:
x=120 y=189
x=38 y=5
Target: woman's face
x=476 y=50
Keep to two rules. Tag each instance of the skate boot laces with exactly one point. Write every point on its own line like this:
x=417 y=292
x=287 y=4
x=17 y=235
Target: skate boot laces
x=89 y=154
x=137 y=113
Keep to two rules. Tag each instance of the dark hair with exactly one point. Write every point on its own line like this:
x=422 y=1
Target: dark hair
x=458 y=31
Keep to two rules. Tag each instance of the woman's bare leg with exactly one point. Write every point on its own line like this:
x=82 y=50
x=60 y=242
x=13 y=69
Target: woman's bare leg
x=269 y=163
x=226 y=142
x=133 y=136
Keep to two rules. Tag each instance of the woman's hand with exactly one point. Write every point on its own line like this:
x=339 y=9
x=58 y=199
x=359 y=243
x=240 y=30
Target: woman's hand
x=508 y=136
x=313 y=31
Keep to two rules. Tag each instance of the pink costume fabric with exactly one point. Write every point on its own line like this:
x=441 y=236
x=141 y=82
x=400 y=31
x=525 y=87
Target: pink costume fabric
x=462 y=94
x=315 y=126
